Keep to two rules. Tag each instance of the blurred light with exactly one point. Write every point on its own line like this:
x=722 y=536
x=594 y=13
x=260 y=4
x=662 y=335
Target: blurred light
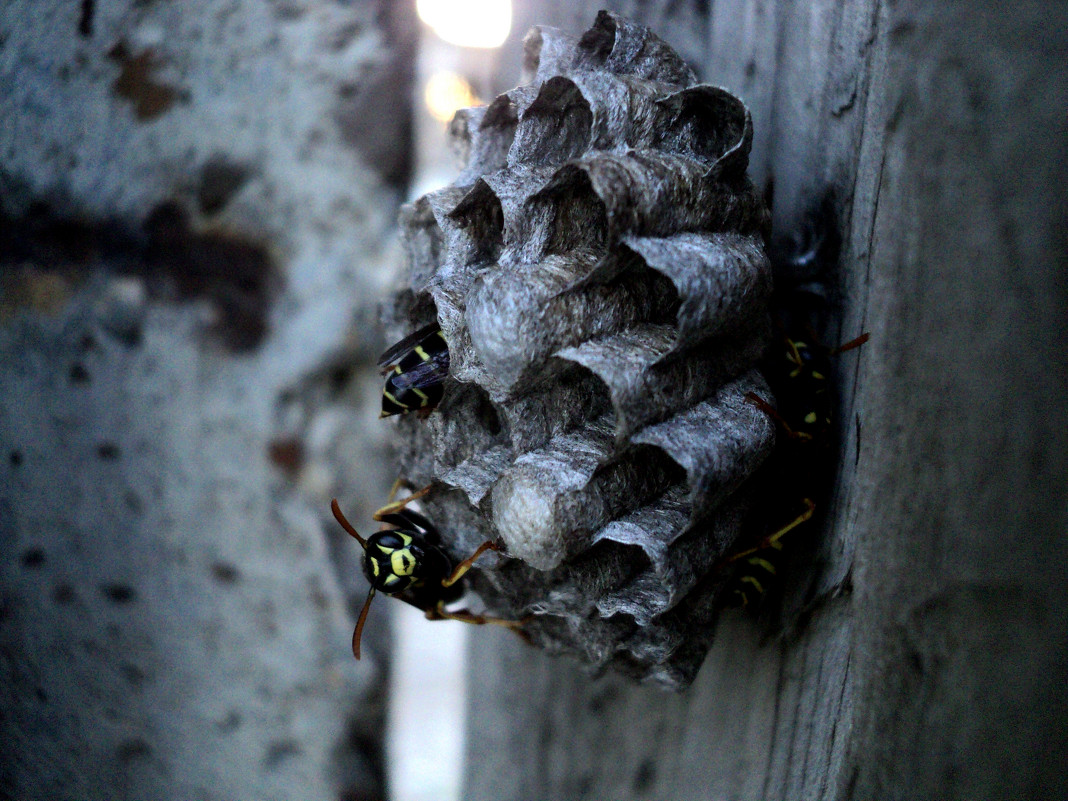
x=427 y=708
x=446 y=93
x=468 y=23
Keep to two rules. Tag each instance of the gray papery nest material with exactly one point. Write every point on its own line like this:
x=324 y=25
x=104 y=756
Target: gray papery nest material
x=598 y=271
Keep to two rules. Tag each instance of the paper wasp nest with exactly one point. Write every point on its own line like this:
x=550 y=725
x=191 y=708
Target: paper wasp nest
x=599 y=275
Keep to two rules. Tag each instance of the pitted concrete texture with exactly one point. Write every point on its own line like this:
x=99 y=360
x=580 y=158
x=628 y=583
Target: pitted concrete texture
x=193 y=214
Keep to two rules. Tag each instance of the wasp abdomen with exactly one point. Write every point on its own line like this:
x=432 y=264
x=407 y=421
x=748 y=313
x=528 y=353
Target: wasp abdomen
x=416 y=369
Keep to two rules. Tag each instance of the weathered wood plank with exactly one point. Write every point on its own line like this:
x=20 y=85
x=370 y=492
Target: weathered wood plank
x=961 y=485
x=924 y=657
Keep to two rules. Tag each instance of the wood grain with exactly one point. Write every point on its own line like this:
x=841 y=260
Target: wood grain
x=921 y=648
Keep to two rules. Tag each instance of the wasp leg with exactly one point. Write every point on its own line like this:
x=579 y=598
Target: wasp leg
x=795 y=354
x=397 y=485
x=392 y=506
x=741 y=599
x=747 y=582
x=465 y=565
x=772 y=540
x=769 y=410
x=853 y=343
x=464 y=616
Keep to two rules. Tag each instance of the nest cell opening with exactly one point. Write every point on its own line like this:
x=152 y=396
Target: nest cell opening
x=469 y=422
x=483 y=136
x=595 y=46
x=412 y=309
x=424 y=239
x=573 y=397
x=556 y=127
x=709 y=124
x=480 y=217
x=576 y=218
x=625 y=48
x=531 y=60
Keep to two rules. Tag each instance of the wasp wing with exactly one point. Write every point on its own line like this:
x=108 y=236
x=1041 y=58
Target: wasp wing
x=423 y=375
x=406 y=345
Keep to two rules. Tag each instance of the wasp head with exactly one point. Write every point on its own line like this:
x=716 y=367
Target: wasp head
x=393 y=560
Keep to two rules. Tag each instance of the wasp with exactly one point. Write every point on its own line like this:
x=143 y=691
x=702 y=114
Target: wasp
x=407 y=561
x=415 y=369
x=798 y=370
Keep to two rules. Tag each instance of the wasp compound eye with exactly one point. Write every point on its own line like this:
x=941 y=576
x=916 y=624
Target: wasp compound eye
x=599 y=274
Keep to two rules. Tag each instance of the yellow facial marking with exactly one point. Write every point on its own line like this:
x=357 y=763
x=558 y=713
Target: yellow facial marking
x=404 y=538
x=374 y=565
x=391 y=580
x=384 y=548
x=403 y=562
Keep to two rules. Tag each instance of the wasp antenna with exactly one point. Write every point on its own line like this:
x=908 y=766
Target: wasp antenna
x=358 y=631
x=345 y=524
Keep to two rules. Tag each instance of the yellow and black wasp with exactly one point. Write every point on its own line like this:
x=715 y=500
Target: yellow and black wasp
x=798 y=370
x=415 y=370
x=408 y=563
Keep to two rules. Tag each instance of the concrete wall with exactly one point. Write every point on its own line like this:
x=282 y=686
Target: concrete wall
x=197 y=204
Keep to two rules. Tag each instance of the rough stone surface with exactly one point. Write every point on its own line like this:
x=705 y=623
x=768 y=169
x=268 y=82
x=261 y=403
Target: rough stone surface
x=188 y=229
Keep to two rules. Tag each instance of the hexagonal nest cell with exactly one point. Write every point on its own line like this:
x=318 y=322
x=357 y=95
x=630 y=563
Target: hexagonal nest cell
x=598 y=272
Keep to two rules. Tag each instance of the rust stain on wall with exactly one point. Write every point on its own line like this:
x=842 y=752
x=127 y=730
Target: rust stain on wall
x=136 y=83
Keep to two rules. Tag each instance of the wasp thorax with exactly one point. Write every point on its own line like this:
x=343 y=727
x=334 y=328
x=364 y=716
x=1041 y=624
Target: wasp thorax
x=598 y=271
x=392 y=561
